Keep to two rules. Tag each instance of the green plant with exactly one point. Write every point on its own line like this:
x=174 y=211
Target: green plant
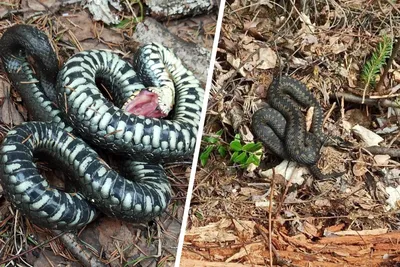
x=245 y=154
x=375 y=63
x=242 y=154
x=132 y=21
x=214 y=142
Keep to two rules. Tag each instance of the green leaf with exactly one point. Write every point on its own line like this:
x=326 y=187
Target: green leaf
x=235 y=145
x=252 y=159
x=222 y=151
x=237 y=136
x=249 y=160
x=199 y=215
x=211 y=139
x=123 y=23
x=241 y=158
x=234 y=155
x=252 y=147
x=206 y=155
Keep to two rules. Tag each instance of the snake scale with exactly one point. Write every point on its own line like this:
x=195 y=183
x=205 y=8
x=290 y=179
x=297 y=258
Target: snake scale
x=68 y=103
x=281 y=125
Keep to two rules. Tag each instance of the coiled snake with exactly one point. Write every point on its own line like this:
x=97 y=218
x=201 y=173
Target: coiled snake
x=281 y=125
x=76 y=106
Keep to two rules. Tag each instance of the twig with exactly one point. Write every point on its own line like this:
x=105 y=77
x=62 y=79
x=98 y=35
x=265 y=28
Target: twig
x=329 y=113
x=378 y=150
x=85 y=257
x=31 y=249
x=368 y=101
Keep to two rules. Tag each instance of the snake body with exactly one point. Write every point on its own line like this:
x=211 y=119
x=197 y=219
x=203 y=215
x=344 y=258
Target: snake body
x=104 y=124
x=76 y=106
x=281 y=124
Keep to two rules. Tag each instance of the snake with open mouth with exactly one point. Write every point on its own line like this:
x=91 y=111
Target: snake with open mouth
x=281 y=125
x=68 y=103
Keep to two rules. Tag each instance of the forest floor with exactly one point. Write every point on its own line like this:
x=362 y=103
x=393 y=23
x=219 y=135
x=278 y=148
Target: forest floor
x=248 y=215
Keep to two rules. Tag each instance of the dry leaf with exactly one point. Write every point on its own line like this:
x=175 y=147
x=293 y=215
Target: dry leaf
x=101 y=11
x=9 y=114
x=307 y=26
x=287 y=169
x=236 y=116
x=396 y=76
x=234 y=61
x=86 y=35
x=310 y=39
x=248 y=250
x=250 y=24
x=249 y=191
x=310 y=229
x=323 y=203
x=245 y=229
x=382 y=159
x=369 y=137
x=251 y=47
x=335 y=228
x=309 y=117
x=298 y=62
x=267 y=59
x=359 y=169
x=42 y=5
x=394 y=197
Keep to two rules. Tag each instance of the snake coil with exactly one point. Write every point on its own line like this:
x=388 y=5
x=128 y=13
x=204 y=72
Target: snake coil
x=281 y=125
x=77 y=107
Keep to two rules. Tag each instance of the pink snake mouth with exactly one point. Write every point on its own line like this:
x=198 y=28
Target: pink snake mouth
x=145 y=104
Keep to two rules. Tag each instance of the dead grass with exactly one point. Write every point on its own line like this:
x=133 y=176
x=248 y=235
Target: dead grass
x=324 y=44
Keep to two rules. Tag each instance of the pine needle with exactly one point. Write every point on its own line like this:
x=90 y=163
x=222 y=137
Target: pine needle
x=375 y=63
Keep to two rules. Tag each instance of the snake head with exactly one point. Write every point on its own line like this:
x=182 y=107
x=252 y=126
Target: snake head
x=152 y=102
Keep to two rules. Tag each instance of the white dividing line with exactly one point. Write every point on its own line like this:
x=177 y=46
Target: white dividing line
x=199 y=134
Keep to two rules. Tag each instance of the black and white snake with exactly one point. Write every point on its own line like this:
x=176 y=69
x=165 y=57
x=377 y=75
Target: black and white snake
x=133 y=127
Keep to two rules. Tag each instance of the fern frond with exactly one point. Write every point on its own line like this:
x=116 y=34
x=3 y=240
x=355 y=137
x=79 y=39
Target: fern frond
x=374 y=64
x=378 y=58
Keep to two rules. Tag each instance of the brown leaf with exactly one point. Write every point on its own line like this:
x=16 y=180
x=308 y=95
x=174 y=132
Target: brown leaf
x=9 y=114
x=359 y=169
x=310 y=229
x=267 y=59
x=250 y=24
x=245 y=229
x=309 y=117
x=42 y=5
x=82 y=28
x=335 y=228
x=236 y=116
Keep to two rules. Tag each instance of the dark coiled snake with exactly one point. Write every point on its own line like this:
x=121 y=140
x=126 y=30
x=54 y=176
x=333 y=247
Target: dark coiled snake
x=281 y=125
x=70 y=104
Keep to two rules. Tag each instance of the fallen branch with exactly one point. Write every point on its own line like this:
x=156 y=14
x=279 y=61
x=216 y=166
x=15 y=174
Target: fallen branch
x=378 y=150
x=85 y=256
x=368 y=101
